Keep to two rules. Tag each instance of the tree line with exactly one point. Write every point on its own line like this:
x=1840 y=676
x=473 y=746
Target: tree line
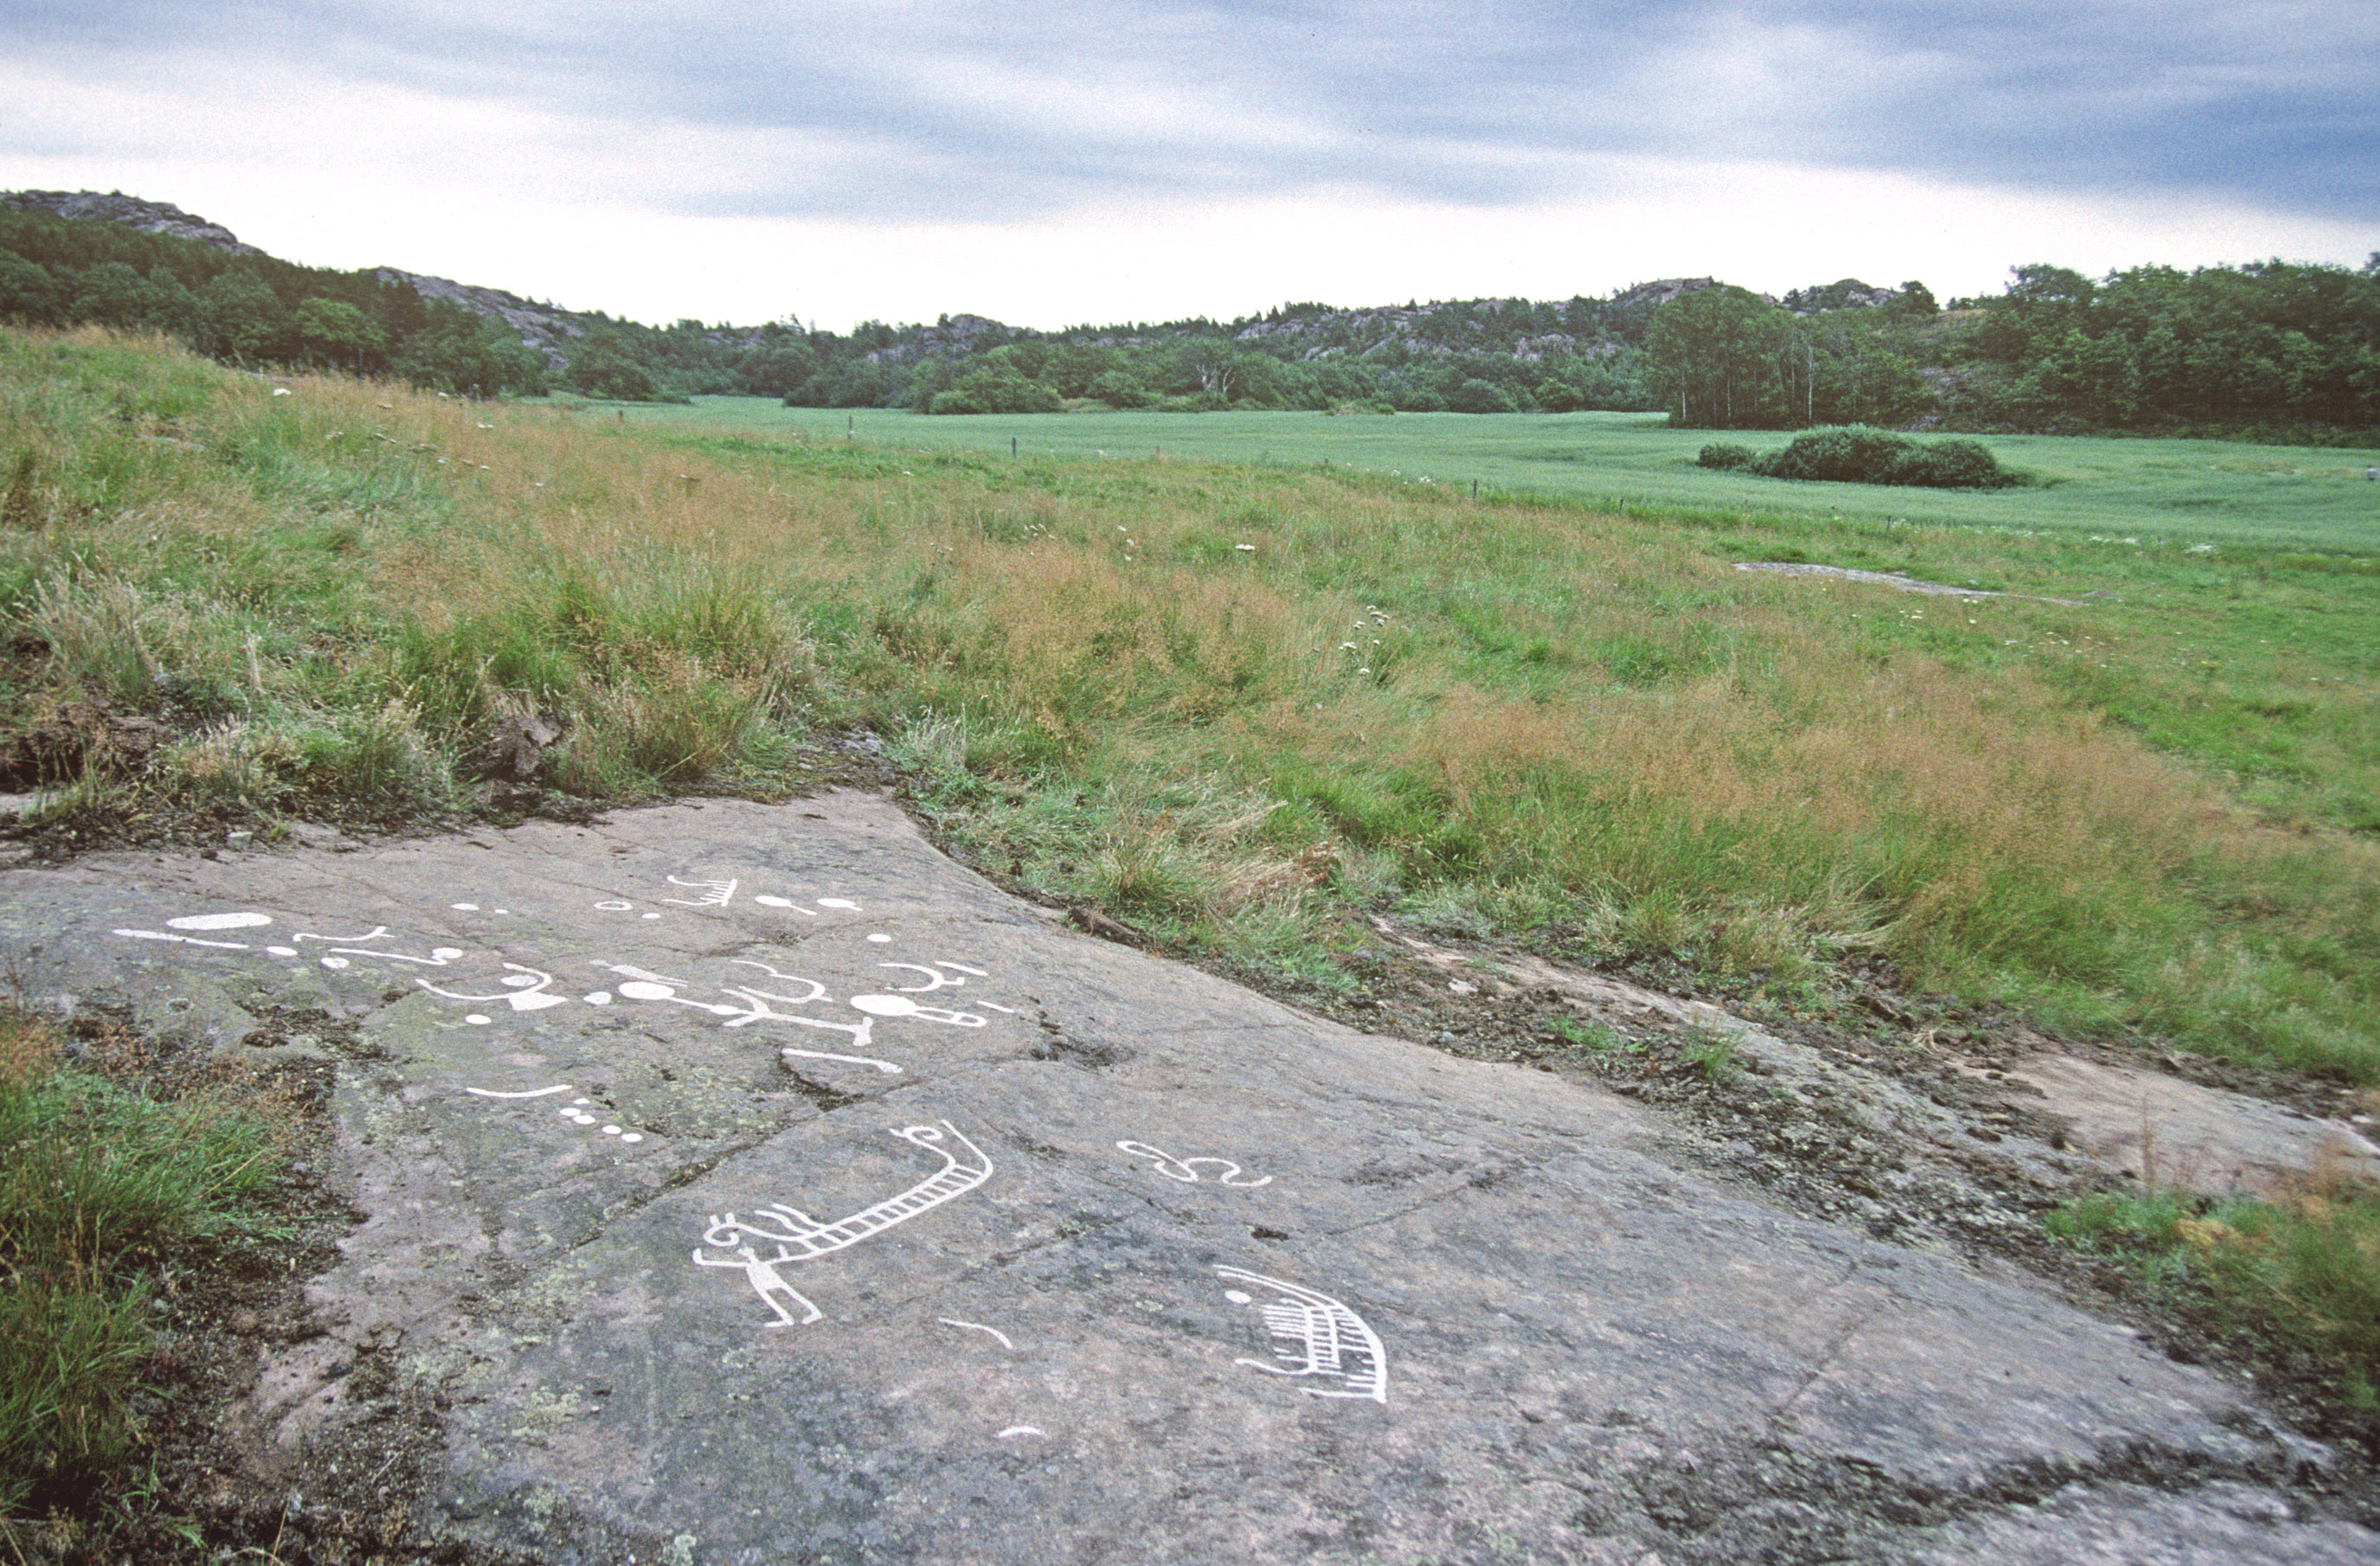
x=2275 y=349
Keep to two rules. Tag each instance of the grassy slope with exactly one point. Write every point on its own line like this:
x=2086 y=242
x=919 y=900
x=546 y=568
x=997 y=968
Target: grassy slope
x=1528 y=718
x=2177 y=492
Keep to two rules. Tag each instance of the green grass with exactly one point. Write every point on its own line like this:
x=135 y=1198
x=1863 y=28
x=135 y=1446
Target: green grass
x=1243 y=704
x=2135 y=494
x=2301 y=1272
x=101 y=1184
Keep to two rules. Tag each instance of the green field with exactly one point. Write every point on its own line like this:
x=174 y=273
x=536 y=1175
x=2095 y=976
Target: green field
x=2135 y=493
x=1243 y=704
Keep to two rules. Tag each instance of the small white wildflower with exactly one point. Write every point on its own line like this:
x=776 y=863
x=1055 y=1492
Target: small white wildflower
x=280 y=391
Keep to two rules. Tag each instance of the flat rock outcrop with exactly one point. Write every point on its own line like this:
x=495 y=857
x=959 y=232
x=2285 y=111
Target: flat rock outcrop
x=752 y=1184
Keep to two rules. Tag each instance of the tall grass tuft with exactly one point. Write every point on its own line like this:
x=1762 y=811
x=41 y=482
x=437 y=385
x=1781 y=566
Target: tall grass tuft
x=99 y=1183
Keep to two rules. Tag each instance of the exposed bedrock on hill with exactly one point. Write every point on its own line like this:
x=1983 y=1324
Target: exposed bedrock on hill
x=752 y=1184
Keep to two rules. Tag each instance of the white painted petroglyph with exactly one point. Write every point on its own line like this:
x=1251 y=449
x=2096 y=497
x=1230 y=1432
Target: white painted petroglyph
x=615 y=906
x=464 y=907
x=645 y=974
x=282 y=951
x=181 y=940
x=768 y=900
x=597 y=997
x=799 y=1237
x=219 y=921
x=336 y=962
x=934 y=980
x=478 y=1019
x=763 y=1276
x=528 y=992
x=1317 y=1335
x=578 y=1112
x=439 y=955
x=995 y=1006
x=1187 y=1170
x=843 y=903
x=715 y=893
x=879 y=937
x=817 y=990
x=962 y=967
x=581 y=1111
x=1016 y=1430
x=375 y=934
x=979 y=1327
x=902 y=1006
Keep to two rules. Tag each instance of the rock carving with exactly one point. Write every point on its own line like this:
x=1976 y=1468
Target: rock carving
x=799 y=1237
x=1315 y=1336
x=1187 y=1170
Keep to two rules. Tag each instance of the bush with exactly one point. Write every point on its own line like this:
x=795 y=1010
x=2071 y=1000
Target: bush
x=1850 y=454
x=1854 y=454
x=1951 y=465
x=996 y=390
x=1480 y=396
x=1119 y=388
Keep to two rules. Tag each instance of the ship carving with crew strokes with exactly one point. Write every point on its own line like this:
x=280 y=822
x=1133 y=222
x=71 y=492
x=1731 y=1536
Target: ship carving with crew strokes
x=798 y=1237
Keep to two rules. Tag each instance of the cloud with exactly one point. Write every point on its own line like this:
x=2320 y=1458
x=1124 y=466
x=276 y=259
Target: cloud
x=979 y=111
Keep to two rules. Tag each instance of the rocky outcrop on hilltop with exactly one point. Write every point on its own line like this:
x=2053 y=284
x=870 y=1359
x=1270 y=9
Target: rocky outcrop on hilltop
x=550 y=331
x=149 y=217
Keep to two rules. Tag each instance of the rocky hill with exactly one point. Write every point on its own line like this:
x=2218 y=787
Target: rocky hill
x=149 y=217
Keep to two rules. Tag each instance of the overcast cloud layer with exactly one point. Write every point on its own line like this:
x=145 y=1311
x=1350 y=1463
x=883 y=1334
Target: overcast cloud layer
x=2173 y=117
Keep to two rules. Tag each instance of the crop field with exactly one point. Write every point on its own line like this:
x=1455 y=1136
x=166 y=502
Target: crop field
x=1243 y=704
x=2133 y=492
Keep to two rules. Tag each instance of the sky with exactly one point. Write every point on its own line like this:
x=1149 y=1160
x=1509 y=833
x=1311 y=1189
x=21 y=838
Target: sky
x=1077 y=161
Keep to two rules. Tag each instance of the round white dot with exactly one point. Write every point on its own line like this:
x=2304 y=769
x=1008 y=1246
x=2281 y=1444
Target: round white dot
x=1238 y=1298
x=582 y=1103
x=477 y=1018
x=631 y=1136
x=600 y=998
x=464 y=907
x=768 y=902
x=519 y=980
x=611 y=1131
x=335 y=961
x=584 y=1119
x=646 y=990
x=505 y=911
x=569 y=1114
x=653 y=916
x=880 y=940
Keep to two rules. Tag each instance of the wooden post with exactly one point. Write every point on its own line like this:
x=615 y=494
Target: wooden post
x=1012 y=445
x=1474 y=488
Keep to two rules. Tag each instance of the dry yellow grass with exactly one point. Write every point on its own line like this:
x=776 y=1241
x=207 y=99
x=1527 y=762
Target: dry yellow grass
x=1505 y=696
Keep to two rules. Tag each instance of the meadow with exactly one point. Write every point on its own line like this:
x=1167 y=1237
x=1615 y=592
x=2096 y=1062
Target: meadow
x=1241 y=704
x=2154 y=491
